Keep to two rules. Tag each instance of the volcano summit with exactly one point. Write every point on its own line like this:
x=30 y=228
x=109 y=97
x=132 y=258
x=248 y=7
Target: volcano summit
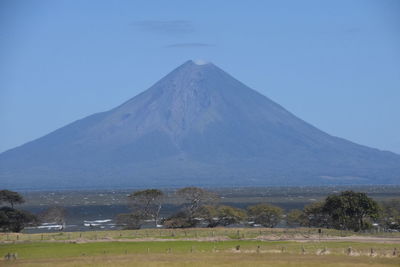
x=196 y=126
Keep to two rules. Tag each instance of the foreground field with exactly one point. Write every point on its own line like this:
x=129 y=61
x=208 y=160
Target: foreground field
x=208 y=259
x=200 y=247
x=194 y=253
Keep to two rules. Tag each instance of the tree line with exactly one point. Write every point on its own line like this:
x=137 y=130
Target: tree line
x=347 y=210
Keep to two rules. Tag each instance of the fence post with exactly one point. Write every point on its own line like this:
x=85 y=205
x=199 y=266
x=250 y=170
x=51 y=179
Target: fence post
x=349 y=251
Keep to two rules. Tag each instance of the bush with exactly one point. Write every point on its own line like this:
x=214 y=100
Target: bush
x=221 y=215
x=130 y=221
x=15 y=220
x=265 y=214
x=180 y=220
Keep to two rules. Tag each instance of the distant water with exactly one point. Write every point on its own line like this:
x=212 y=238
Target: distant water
x=102 y=224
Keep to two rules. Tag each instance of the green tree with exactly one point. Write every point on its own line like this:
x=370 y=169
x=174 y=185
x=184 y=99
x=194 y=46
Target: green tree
x=15 y=220
x=295 y=218
x=10 y=197
x=314 y=215
x=12 y=219
x=351 y=210
x=193 y=198
x=265 y=214
x=147 y=204
x=390 y=214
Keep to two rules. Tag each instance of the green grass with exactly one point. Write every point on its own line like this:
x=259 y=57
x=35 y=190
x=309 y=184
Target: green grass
x=195 y=247
x=194 y=253
x=60 y=250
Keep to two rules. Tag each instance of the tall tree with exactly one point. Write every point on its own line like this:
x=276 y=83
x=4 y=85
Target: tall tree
x=12 y=219
x=10 y=197
x=147 y=203
x=390 y=214
x=194 y=198
x=351 y=210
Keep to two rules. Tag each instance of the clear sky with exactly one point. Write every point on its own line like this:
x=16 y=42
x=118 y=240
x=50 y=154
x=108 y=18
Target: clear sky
x=335 y=64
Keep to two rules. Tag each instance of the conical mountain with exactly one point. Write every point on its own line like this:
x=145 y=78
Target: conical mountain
x=196 y=126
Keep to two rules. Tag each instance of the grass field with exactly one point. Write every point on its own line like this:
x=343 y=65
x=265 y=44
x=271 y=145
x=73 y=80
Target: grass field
x=197 y=247
x=194 y=233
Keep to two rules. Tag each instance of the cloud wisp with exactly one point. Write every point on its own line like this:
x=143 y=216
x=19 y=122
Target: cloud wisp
x=189 y=45
x=169 y=27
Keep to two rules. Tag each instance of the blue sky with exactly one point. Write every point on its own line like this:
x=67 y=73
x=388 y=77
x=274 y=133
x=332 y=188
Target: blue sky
x=335 y=64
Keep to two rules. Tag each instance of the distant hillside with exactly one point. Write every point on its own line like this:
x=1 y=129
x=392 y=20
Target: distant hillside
x=196 y=126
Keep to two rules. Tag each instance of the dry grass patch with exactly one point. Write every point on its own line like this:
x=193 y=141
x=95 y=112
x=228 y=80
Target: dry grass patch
x=211 y=259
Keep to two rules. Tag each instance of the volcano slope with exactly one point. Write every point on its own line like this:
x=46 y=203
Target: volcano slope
x=196 y=126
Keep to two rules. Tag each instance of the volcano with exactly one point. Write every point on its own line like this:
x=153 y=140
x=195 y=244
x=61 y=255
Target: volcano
x=196 y=126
